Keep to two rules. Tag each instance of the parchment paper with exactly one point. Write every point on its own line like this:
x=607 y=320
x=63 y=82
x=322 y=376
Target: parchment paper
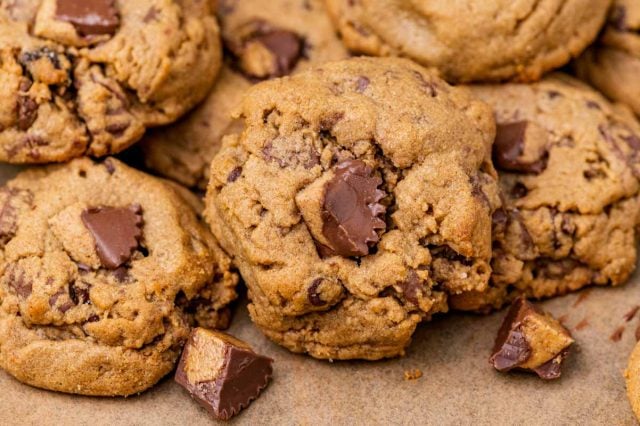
x=458 y=387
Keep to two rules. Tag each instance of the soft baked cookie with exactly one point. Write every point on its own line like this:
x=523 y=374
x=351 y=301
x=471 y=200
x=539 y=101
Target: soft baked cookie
x=613 y=64
x=472 y=40
x=88 y=77
x=632 y=375
x=98 y=264
x=264 y=40
x=569 y=167
x=357 y=197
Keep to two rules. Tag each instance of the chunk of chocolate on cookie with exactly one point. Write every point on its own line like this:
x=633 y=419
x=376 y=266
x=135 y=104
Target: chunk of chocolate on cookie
x=520 y=147
x=267 y=51
x=89 y=18
x=532 y=340
x=116 y=231
x=352 y=213
x=221 y=372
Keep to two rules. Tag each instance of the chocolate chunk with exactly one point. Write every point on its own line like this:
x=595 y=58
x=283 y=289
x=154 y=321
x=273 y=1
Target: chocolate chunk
x=508 y=148
x=362 y=84
x=116 y=230
x=351 y=209
x=267 y=52
x=412 y=288
x=95 y=17
x=530 y=340
x=222 y=373
x=234 y=174
x=27 y=112
x=618 y=17
x=18 y=281
x=313 y=295
x=79 y=292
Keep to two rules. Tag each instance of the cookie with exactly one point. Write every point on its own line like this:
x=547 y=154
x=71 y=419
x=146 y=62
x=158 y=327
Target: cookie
x=472 y=40
x=632 y=376
x=356 y=199
x=531 y=340
x=612 y=65
x=569 y=168
x=103 y=269
x=223 y=374
x=87 y=78
x=264 y=40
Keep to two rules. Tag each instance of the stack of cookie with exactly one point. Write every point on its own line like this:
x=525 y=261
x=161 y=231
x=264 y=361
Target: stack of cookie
x=445 y=168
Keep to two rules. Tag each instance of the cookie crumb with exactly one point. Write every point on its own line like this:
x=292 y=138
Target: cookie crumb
x=414 y=374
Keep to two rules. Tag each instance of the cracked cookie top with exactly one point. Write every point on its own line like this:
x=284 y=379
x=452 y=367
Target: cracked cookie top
x=472 y=40
x=263 y=40
x=102 y=269
x=357 y=197
x=89 y=77
x=569 y=168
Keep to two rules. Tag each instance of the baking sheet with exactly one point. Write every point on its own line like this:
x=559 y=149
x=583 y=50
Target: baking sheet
x=458 y=387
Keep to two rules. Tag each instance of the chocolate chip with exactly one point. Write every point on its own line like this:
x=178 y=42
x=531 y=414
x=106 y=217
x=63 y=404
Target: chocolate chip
x=286 y=47
x=19 y=283
x=513 y=348
x=412 y=288
x=351 y=209
x=116 y=230
x=313 y=295
x=151 y=15
x=79 y=293
x=362 y=84
x=121 y=274
x=519 y=190
x=234 y=174
x=618 y=17
x=509 y=146
x=222 y=373
x=95 y=17
x=27 y=112
x=111 y=168
x=65 y=306
x=117 y=129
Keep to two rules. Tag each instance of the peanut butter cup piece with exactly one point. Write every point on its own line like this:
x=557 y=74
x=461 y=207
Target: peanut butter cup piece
x=531 y=340
x=221 y=372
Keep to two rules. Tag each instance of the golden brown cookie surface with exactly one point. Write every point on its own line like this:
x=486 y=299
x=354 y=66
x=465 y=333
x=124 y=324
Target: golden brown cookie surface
x=472 y=40
x=102 y=269
x=356 y=199
x=89 y=77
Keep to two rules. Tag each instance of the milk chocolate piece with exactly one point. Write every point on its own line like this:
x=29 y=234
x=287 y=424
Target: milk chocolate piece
x=95 y=17
x=116 y=231
x=531 y=340
x=509 y=148
x=222 y=373
x=351 y=209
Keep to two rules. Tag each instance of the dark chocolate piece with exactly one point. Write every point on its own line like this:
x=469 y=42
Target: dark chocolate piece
x=351 y=209
x=116 y=231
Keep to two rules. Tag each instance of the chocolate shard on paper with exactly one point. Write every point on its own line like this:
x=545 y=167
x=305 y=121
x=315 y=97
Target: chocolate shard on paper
x=221 y=372
x=531 y=340
x=116 y=231
x=351 y=212
x=89 y=18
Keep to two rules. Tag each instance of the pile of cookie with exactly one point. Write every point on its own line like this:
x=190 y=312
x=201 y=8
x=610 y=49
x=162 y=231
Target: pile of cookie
x=365 y=166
